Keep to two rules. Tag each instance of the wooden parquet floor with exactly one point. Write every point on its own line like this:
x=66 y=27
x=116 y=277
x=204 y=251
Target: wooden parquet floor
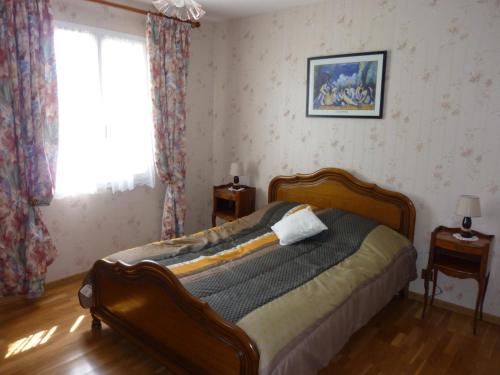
x=52 y=336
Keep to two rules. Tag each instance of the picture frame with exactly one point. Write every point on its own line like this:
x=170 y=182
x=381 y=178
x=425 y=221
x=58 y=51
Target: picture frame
x=350 y=85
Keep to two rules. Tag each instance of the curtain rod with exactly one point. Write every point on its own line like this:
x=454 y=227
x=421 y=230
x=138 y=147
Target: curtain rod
x=194 y=24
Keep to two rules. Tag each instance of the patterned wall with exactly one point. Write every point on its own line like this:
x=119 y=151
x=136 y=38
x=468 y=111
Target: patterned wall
x=88 y=227
x=440 y=134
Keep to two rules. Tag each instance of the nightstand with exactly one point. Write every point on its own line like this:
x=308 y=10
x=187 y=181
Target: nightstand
x=230 y=205
x=457 y=258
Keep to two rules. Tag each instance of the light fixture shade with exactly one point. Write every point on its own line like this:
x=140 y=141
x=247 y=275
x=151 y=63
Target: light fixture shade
x=182 y=9
x=235 y=169
x=468 y=206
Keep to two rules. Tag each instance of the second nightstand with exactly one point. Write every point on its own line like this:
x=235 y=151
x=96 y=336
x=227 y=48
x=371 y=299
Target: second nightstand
x=462 y=259
x=231 y=205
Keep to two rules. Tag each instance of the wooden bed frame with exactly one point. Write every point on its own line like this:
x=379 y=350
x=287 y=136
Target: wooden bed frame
x=147 y=303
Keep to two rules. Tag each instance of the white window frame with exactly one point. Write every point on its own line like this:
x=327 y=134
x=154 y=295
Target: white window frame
x=100 y=34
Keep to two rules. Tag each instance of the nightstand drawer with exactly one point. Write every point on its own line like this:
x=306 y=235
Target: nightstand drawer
x=459 y=247
x=443 y=244
x=225 y=194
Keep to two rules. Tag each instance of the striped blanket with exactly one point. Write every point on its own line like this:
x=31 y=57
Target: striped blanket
x=247 y=270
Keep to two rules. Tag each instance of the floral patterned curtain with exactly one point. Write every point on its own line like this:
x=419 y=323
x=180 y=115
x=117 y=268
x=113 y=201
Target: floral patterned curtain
x=28 y=143
x=168 y=48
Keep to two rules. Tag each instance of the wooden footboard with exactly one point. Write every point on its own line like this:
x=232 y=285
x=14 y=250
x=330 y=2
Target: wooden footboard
x=147 y=303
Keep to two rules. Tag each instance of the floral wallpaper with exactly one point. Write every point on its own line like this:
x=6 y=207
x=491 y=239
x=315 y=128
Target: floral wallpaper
x=89 y=227
x=440 y=134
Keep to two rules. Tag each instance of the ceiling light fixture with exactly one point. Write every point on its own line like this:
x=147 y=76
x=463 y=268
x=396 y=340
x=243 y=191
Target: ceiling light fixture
x=182 y=9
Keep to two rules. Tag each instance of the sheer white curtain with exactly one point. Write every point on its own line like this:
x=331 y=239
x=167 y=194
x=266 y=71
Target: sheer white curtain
x=105 y=113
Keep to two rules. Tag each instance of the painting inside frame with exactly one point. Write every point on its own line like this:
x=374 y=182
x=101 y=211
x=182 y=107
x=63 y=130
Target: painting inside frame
x=346 y=85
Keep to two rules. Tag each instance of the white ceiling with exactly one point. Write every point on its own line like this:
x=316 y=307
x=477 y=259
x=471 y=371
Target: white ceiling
x=218 y=10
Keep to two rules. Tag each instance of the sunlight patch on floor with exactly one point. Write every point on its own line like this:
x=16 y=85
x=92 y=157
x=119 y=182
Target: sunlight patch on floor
x=76 y=324
x=30 y=342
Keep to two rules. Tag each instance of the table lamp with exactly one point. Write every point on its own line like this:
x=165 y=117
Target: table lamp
x=468 y=207
x=235 y=170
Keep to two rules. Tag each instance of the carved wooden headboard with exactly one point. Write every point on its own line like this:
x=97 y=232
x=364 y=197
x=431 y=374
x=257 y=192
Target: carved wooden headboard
x=336 y=188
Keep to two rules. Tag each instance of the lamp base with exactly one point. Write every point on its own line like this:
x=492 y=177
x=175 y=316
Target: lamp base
x=236 y=183
x=466 y=225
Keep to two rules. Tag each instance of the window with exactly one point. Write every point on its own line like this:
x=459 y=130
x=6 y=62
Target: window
x=105 y=111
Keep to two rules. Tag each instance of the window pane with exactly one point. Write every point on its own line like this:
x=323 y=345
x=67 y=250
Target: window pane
x=81 y=132
x=127 y=110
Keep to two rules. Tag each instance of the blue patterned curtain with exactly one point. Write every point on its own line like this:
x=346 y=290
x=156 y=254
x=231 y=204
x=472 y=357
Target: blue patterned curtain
x=28 y=143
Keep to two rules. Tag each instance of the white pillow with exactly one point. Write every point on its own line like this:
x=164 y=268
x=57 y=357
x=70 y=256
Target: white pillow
x=298 y=226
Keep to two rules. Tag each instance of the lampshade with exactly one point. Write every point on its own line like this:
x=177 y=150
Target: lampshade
x=468 y=206
x=235 y=169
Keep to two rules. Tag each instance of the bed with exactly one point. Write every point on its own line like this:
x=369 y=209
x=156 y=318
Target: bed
x=177 y=304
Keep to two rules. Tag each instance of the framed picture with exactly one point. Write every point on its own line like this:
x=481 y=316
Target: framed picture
x=346 y=85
